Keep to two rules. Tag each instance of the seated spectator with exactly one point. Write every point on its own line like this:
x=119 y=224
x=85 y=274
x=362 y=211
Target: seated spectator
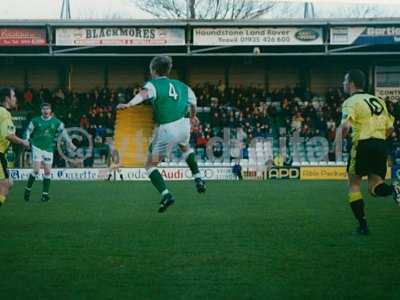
x=69 y=121
x=84 y=122
x=201 y=141
x=28 y=97
x=297 y=121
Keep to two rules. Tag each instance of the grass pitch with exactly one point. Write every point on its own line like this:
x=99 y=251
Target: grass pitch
x=242 y=240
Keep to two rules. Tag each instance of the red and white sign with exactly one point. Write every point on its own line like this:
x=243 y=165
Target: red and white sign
x=22 y=37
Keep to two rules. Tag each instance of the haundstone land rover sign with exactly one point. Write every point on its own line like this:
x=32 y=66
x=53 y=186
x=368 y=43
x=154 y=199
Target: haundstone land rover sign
x=255 y=36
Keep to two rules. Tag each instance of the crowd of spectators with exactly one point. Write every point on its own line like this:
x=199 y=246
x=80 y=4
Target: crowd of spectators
x=251 y=112
x=93 y=111
x=248 y=112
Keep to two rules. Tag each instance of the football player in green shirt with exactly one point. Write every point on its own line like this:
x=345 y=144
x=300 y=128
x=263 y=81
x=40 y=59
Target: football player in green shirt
x=42 y=133
x=174 y=105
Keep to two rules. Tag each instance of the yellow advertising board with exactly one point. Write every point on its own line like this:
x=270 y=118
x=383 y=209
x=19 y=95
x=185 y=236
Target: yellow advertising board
x=327 y=173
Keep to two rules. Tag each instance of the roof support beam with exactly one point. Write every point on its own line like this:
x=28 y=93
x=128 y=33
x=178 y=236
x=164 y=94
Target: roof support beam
x=211 y=49
x=349 y=48
x=242 y=54
x=76 y=49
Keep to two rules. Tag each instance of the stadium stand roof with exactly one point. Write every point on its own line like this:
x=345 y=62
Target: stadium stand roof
x=183 y=22
x=189 y=48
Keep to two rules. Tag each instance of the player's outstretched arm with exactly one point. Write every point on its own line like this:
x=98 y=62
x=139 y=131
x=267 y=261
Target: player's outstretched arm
x=147 y=93
x=143 y=95
x=7 y=129
x=16 y=140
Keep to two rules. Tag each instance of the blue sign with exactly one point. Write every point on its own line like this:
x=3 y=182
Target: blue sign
x=365 y=35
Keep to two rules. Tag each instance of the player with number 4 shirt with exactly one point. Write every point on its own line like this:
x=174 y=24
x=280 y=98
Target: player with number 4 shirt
x=174 y=107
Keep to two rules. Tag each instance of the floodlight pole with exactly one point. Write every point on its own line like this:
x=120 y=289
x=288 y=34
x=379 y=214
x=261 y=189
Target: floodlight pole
x=309 y=12
x=190 y=13
x=65 y=10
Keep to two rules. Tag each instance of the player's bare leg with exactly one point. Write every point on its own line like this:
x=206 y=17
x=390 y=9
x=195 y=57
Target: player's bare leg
x=31 y=180
x=158 y=182
x=190 y=159
x=46 y=182
x=378 y=188
x=120 y=174
x=357 y=203
x=5 y=187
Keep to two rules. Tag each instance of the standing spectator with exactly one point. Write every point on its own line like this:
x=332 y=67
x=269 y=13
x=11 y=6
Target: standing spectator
x=237 y=170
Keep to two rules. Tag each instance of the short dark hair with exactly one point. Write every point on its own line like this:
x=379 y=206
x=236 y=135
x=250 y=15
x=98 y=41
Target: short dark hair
x=358 y=78
x=161 y=65
x=45 y=104
x=5 y=92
